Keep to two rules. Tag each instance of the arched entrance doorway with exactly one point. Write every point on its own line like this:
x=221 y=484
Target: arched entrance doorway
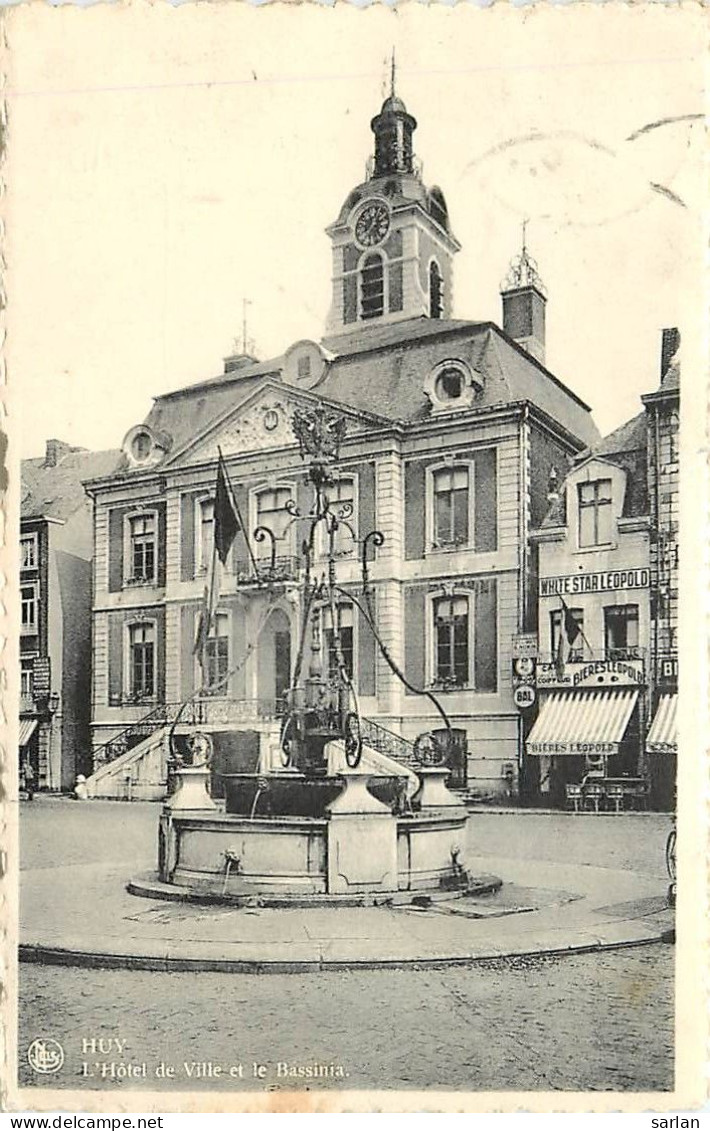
x=274 y=658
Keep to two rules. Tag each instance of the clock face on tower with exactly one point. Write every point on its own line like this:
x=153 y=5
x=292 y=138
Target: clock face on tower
x=372 y=224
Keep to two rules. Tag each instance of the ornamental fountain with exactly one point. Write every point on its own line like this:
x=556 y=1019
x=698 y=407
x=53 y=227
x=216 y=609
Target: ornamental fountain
x=324 y=818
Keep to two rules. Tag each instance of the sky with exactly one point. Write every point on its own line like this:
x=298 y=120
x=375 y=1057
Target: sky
x=165 y=164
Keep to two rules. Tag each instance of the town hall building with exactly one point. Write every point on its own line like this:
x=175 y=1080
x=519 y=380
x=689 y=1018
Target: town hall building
x=451 y=430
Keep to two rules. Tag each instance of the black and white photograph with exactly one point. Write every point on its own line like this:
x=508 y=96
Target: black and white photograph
x=355 y=565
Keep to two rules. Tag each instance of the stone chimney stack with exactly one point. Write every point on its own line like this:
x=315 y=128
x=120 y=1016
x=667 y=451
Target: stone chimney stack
x=670 y=342
x=524 y=300
x=55 y=451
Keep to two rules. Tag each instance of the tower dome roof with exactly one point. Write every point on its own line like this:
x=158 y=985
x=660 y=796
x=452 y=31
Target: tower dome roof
x=393 y=105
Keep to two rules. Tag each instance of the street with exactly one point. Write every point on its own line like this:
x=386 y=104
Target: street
x=585 y=1022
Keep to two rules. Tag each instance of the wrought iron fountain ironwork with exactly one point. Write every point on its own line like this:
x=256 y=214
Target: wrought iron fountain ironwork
x=322 y=706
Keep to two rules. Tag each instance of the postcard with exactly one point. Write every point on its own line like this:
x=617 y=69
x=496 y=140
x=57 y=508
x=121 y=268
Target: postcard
x=355 y=568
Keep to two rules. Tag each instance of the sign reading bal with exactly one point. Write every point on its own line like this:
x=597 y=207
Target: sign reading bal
x=524 y=696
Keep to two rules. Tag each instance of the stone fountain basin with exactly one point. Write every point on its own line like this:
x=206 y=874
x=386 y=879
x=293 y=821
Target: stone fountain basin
x=292 y=795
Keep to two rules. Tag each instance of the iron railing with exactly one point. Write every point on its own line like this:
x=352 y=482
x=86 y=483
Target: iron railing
x=583 y=655
x=215 y=712
x=197 y=712
x=284 y=568
x=387 y=742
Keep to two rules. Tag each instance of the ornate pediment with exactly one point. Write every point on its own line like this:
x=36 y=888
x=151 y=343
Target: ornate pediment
x=264 y=423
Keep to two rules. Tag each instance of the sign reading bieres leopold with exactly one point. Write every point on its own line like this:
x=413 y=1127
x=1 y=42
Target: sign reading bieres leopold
x=604 y=581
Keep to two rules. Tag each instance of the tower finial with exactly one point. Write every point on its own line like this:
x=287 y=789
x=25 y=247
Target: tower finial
x=523 y=270
x=393 y=74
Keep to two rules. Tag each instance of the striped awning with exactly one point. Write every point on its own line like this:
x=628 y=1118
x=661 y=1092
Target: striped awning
x=662 y=738
x=582 y=722
x=27 y=729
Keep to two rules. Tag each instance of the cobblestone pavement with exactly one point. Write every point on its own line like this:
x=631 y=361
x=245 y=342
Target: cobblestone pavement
x=589 y=1022
x=57 y=832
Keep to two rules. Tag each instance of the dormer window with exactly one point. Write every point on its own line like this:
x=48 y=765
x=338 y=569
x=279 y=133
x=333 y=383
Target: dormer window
x=144 y=447
x=450 y=384
x=595 y=513
x=436 y=290
x=141 y=446
x=372 y=287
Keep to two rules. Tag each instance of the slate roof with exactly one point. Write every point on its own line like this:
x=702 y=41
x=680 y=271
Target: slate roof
x=57 y=492
x=626 y=447
x=381 y=370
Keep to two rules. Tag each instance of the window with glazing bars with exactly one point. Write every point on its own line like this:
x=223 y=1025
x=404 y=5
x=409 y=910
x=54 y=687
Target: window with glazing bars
x=28 y=608
x=142 y=660
x=344 y=629
x=206 y=544
x=142 y=548
x=621 y=632
x=340 y=493
x=595 y=513
x=451 y=506
x=271 y=512
x=217 y=655
x=452 y=642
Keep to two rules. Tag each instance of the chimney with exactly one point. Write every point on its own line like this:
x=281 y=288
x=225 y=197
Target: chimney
x=238 y=361
x=670 y=342
x=524 y=301
x=553 y=486
x=55 y=451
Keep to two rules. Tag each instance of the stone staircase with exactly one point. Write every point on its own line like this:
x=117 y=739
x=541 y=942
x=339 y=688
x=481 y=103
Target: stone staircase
x=133 y=764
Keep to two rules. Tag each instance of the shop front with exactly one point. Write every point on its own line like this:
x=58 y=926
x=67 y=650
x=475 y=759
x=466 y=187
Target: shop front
x=662 y=753
x=586 y=739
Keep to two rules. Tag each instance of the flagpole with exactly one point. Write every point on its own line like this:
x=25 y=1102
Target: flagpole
x=238 y=513
x=209 y=612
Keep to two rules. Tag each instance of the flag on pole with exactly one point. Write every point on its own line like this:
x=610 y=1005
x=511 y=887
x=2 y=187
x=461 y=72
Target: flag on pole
x=572 y=628
x=560 y=656
x=203 y=626
x=226 y=518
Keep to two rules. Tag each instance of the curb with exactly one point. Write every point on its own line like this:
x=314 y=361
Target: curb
x=150 y=887
x=105 y=960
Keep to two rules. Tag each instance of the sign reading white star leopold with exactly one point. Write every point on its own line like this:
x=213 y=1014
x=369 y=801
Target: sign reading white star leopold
x=602 y=581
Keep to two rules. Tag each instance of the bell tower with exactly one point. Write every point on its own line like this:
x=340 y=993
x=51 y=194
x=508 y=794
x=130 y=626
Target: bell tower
x=392 y=243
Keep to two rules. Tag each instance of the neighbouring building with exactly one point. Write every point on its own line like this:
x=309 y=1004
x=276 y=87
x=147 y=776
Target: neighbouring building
x=453 y=428
x=607 y=659
x=663 y=422
x=56 y=548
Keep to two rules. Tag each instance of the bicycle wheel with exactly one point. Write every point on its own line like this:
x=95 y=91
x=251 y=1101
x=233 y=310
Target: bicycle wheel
x=670 y=855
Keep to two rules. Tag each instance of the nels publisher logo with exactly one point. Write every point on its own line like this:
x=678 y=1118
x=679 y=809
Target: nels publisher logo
x=45 y=1055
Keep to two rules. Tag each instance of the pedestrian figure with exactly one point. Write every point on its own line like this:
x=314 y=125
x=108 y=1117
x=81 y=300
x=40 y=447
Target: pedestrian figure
x=28 y=778
x=81 y=793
